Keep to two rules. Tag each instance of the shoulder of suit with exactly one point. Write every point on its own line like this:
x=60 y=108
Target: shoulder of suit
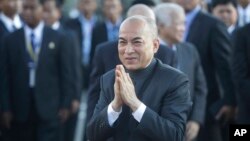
x=167 y=72
x=107 y=46
x=244 y=30
x=208 y=18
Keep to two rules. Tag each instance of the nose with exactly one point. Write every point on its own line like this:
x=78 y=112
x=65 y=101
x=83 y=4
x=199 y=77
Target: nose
x=129 y=49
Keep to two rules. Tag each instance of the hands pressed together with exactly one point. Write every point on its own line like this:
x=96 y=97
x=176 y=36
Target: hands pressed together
x=124 y=91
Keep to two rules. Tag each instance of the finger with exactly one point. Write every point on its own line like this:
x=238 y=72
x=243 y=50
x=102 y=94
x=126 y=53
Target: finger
x=129 y=78
x=124 y=75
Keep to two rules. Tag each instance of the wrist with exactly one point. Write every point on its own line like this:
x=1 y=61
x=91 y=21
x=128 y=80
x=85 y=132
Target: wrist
x=116 y=106
x=135 y=105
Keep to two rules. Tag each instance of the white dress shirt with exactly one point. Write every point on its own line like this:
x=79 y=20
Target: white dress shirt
x=244 y=15
x=38 y=33
x=113 y=115
x=9 y=23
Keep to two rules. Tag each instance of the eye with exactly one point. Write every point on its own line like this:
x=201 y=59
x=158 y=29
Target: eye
x=137 y=43
x=122 y=42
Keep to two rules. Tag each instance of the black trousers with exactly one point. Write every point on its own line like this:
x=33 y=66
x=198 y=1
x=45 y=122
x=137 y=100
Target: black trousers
x=35 y=129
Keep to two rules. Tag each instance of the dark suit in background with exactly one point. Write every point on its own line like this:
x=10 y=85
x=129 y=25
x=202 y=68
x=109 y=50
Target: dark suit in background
x=241 y=66
x=214 y=48
x=35 y=110
x=75 y=26
x=168 y=102
x=105 y=59
x=70 y=125
x=189 y=63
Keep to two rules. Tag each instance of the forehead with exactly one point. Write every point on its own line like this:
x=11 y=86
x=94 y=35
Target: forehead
x=132 y=29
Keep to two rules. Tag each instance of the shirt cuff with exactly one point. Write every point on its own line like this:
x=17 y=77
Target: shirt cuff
x=139 y=112
x=112 y=115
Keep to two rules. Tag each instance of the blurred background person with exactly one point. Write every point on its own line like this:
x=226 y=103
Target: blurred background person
x=243 y=9
x=108 y=29
x=226 y=10
x=52 y=16
x=83 y=27
x=9 y=17
x=37 y=78
x=241 y=73
x=9 y=22
x=171 y=26
x=215 y=50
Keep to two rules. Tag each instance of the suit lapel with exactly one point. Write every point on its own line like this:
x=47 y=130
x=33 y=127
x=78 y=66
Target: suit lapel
x=44 y=43
x=3 y=27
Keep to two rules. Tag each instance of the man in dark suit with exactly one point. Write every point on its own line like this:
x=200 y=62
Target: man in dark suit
x=150 y=100
x=83 y=26
x=171 y=26
x=52 y=15
x=108 y=29
x=241 y=61
x=106 y=58
x=37 y=78
x=9 y=22
x=226 y=10
x=211 y=39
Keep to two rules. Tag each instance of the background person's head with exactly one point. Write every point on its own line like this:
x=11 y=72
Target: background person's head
x=141 y=9
x=112 y=10
x=9 y=7
x=138 y=41
x=87 y=7
x=51 y=11
x=170 y=19
x=225 y=10
x=188 y=5
x=32 y=12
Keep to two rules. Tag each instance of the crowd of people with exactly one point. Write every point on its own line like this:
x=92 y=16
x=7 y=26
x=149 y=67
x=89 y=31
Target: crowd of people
x=153 y=71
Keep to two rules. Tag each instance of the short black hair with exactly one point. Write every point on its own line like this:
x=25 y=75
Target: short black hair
x=58 y=3
x=149 y=3
x=223 y=2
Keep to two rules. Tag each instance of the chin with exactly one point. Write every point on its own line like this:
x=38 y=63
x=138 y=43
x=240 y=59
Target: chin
x=131 y=67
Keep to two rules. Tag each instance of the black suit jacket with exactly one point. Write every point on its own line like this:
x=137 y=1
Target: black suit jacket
x=99 y=35
x=75 y=25
x=76 y=63
x=53 y=76
x=211 y=38
x=167 y=99
x=105 y=59
x=189 y=63
x=241 y=66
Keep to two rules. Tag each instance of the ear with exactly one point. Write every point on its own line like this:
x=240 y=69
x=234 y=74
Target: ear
x=156 y=44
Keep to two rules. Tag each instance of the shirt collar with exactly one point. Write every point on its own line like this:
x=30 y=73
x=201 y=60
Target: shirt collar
x=231 y=29
x=38 y=32
x=82 y=19
x=9 y=23
x=56 y=25
x=192 y=14
x=110 y=25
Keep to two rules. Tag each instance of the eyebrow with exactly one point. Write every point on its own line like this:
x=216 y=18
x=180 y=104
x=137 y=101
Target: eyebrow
x=136 y=38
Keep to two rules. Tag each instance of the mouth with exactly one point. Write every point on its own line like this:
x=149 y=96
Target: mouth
x=130 y=59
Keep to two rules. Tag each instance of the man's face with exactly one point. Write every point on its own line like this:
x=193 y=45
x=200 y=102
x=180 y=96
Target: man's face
x=10 y=7
x=87 y=6
x=188 y=5
x=227 y=13
x=51 y=13
x=32 y=12
x=136 y=45
x=175 y=31
x=112 y=9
